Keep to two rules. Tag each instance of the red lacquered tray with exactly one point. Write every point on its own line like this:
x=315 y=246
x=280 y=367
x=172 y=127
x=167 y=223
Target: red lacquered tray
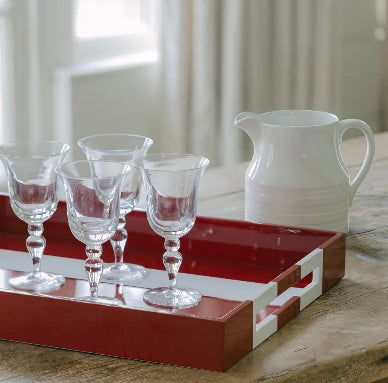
x=254 y=278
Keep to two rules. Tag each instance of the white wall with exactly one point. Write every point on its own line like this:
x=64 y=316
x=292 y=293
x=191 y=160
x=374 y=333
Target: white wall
x=122 y=101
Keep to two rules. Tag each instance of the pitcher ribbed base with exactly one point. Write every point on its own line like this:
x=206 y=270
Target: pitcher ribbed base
x=322 y=208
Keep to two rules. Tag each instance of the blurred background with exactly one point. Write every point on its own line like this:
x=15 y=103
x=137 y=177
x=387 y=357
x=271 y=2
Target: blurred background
x=179 y=71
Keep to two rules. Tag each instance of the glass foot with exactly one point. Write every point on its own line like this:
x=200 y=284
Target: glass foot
x=101 y=300
x=172 y=298
x=122 y=273
x=39 y=282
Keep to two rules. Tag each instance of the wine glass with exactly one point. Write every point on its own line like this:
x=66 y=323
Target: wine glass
x=92 y=199
x=121 y=148
x=32 y=185
x=171 y=181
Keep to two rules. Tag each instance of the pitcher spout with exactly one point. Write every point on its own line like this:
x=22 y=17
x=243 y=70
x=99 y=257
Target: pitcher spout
x=250 y=123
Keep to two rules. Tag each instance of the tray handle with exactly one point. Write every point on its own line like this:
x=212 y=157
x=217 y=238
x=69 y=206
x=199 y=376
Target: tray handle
x=280 y=300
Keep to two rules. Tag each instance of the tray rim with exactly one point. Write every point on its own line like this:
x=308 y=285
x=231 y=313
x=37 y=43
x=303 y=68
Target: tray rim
x=315 y=262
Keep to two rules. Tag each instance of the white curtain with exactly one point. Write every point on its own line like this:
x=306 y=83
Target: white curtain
x=221 y=57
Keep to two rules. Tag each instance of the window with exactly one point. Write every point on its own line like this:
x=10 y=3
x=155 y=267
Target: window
x=104 y=18
x=44 y=45
x=111 y=28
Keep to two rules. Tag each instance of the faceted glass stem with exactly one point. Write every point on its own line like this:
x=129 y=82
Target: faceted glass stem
x=119 y=271
x=94 y=267
x=36 y=244
x=172 y=297
x=172 y=260
x=118 y=241
x=37 y=280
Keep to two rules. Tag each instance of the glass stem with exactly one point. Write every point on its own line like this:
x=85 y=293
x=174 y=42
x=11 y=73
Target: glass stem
x=94 y=267
x=119 y=240
x=172 y=260
x=36 y=244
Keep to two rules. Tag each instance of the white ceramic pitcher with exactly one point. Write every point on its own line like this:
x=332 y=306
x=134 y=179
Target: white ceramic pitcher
x=297 y=175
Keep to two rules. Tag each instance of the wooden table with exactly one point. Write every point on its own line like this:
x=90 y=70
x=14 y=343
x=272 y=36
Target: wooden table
x=341 y=337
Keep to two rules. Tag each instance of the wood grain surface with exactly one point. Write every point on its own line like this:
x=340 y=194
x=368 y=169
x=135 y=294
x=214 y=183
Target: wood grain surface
x=341 y=337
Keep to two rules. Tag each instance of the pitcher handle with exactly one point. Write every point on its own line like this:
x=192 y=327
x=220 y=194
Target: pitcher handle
x=342 y=127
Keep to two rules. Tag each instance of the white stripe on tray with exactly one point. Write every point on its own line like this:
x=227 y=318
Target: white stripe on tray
x=73 y=268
